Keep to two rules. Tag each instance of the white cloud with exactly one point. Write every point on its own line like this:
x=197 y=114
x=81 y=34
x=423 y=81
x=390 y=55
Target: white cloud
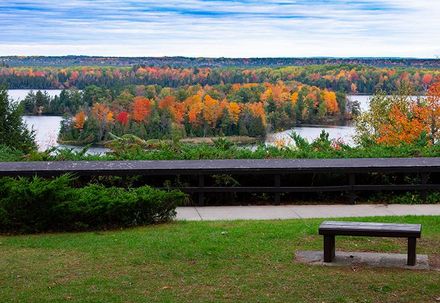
x=221 y=28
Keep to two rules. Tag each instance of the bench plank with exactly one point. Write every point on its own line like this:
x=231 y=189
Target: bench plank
x=370 y=229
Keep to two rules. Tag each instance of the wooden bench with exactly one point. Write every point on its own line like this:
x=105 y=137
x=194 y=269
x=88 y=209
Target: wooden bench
x=330 y=229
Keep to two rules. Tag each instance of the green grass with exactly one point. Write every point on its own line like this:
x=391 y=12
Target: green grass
x=240 y=261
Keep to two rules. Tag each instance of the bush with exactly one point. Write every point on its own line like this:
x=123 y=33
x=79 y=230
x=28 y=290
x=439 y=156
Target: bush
x=10 y=154
x=37 y=205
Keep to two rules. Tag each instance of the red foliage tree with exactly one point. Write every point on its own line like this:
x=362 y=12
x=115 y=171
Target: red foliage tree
x=122 y=118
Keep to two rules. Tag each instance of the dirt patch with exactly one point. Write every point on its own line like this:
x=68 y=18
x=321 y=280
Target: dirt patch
x=434 y=261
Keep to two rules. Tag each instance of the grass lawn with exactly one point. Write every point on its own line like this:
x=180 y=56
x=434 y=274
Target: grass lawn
x=241 y=261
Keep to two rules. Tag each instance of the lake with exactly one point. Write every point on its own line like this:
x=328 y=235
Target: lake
x=47 y=127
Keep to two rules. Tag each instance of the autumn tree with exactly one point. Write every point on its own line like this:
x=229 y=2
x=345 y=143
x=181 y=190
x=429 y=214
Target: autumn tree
x=79 y=120
x=195 y=107
x=141 y=109
x=211 y=110
x=331 y=103
x=124 y=99
x=392 y=120
x=234 y=111
x=427 y=79
x=122 y=118
x=104 y=117
x=405 y=124
x=433 y=104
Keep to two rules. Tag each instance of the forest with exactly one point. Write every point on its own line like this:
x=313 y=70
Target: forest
x=166 y=102
x=355 y=79
x=66 y=61
x=155 y=112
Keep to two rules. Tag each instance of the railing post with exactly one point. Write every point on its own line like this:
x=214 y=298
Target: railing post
x=352 y=182
x=424 y=191
x=277 y=179
x=201 y=194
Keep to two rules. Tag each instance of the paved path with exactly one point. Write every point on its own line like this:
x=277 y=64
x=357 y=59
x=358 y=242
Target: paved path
x=210 y=213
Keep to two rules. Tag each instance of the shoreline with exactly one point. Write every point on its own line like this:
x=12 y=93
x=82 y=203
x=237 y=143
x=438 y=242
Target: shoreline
x=239 y=140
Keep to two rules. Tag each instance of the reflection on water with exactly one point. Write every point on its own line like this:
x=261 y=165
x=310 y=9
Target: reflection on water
x=343 y=133
x=46 y=129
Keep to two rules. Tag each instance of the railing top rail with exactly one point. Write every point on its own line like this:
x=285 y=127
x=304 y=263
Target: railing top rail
x=220 y=166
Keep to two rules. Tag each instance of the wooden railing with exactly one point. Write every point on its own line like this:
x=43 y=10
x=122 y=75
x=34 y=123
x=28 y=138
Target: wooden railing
x=274 y=174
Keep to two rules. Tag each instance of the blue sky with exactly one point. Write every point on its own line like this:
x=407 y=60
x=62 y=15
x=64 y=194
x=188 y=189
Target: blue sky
x=214 y=28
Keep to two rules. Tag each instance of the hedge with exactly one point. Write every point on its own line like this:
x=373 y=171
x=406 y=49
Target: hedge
x=29 y=205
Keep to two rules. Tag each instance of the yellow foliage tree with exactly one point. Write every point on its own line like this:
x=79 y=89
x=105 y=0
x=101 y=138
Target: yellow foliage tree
x=234 y=111
x=211 y=110
x=330 y=102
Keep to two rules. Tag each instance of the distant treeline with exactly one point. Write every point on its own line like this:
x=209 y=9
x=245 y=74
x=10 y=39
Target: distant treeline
x=346 y=78
x=65 y=61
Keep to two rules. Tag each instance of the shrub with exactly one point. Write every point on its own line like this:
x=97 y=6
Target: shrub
x=10 y=154
x=36 y=205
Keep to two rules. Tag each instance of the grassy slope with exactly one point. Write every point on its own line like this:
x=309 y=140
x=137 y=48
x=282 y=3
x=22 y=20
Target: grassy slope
x=241 y=261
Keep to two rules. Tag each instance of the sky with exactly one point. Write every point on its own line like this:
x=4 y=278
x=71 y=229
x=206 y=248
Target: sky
x=216 y=28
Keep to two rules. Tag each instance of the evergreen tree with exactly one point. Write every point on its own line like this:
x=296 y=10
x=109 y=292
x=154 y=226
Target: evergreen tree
x=28 y=103
x=242 y=129
x=256 y=127
x=13 y=131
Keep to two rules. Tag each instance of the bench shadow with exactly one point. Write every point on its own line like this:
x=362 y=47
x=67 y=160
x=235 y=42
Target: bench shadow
x=367 y=259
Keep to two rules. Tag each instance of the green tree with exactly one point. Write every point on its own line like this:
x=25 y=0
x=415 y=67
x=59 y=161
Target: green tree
x=13 y=131
x=41 y=102
x=28 y=103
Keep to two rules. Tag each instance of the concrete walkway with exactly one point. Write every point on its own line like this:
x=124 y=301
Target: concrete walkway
x=211 y=213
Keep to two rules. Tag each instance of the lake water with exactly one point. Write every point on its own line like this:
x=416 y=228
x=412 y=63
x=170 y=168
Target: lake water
x=311 y=132
x=47 y=127
x=46 y=133
x=20 y=94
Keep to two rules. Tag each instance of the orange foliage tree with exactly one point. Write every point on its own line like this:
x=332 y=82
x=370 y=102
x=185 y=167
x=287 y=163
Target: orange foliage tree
x=104 y=115
x=101 y=112
x=79 y=120
x=195 y=107
x=404 y=127
x=141 y=109
x=407 y=121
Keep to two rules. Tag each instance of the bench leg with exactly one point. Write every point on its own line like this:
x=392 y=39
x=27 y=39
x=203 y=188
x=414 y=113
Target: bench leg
x=329 y=248
x=411 y=252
